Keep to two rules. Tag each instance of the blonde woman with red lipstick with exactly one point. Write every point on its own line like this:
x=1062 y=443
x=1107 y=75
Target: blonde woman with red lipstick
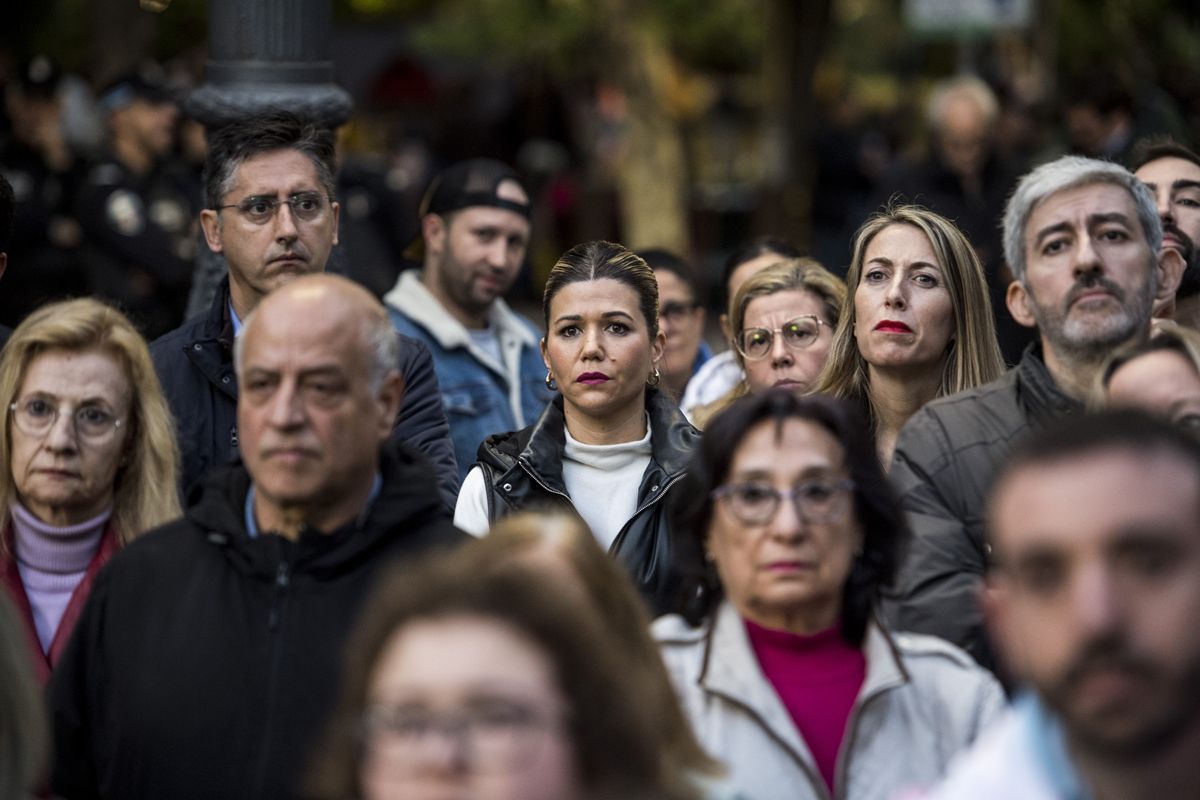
x=610 y=446
x=917 y=324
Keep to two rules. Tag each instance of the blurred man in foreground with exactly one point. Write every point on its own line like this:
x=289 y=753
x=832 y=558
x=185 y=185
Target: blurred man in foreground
x=1093 y=602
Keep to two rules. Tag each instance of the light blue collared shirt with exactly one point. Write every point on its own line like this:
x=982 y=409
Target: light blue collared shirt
x=252 y=523
x=237 y=323
x=1049 y=747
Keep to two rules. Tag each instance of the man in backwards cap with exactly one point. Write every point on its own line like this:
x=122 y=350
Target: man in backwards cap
x=474 y=233
x=137 y=222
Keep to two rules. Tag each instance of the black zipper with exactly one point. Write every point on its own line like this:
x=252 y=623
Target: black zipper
x=529 y=471
x=657 y=496
x=280 y=591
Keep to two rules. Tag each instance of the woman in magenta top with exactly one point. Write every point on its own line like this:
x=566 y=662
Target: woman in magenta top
x=788 y=532
x=91 y=461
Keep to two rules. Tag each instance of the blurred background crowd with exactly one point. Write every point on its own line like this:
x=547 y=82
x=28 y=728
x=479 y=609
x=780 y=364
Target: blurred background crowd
x=691 y=127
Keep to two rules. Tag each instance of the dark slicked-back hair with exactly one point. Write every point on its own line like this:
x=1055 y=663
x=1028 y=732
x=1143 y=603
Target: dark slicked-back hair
x=229 y=146
x=885 y=531
x=752 y=250
x=592 y=261
x=1152 y=149
x=1155 y=147
x=659 y=259
x=8 y=207
x=1123 y=430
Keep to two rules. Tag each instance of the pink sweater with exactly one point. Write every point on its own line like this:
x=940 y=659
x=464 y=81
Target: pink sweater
x=818 y=678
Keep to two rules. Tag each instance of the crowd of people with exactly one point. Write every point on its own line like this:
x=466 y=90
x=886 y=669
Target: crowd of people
x=311 y=543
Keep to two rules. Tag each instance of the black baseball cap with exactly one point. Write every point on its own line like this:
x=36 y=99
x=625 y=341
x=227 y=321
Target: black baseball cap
x=474 y=182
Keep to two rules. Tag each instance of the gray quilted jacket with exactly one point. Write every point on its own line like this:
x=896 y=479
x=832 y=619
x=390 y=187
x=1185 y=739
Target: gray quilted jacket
x=942 y=470
x=922 y=702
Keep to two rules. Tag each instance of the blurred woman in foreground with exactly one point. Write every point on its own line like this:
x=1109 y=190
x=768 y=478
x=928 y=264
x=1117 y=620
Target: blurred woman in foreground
x=788 y=534
x=559 y=547
x=493 y=686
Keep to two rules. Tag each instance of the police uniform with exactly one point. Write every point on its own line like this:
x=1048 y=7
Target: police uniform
x=139 y=240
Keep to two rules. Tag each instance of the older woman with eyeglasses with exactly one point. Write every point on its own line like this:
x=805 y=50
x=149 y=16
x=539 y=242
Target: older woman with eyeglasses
x=90 y=461
x=782 y=320
x=788 y=533
x=490 y=685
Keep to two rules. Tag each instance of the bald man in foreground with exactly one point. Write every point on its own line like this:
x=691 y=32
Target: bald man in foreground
x=207 y=657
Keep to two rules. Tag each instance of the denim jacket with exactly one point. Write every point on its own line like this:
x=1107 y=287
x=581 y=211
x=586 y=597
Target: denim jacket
x=480 y=396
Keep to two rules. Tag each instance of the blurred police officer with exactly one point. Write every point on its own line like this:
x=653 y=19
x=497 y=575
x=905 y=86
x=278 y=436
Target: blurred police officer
x=138 y=225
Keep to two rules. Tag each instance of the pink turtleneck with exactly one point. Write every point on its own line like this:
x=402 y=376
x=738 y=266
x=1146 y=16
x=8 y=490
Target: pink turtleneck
x=818 y=678
x=52 y=561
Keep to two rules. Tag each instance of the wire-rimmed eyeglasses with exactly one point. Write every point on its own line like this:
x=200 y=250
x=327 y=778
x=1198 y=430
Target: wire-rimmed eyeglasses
x=495 y=737
x=260 y=208
x=36 y=416
x=798 y=334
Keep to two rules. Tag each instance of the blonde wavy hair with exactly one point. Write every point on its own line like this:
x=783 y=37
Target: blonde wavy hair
x=145 y=493
x=973 y=359
x=792 y=274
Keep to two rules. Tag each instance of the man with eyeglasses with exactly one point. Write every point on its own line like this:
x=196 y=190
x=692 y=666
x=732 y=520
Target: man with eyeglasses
x=681 y=318
x=271 y=213
x=474 y=234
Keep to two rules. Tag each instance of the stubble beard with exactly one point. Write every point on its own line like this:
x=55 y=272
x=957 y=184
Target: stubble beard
x=1090 y=338
x=450 y=279
x=1177 y=717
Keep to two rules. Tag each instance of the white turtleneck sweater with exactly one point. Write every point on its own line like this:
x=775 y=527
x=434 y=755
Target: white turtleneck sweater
x=601 y=479
x=52 y=560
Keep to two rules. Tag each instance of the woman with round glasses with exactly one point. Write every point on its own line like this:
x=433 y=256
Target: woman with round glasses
x=489 y=685
x=91 y=460
x=782 y=321
x=787 y=535
x=611 y=445
x=919 y=324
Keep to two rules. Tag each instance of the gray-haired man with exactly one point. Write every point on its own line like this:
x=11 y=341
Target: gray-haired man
x=1084 y=243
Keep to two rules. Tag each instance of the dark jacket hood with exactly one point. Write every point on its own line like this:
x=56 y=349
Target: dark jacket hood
x=408 y=499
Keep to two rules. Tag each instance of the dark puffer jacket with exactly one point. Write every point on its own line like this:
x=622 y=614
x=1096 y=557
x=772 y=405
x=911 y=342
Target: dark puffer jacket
x=944 y=463
x=206 y=661
x=194 y=363
x=523 y=470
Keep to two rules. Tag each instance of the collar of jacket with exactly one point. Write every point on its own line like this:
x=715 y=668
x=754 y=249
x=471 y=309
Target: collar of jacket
x=211 y=348
x=410 y=297
x=732 y=671
x=408 y=498
x=1039 y=394
x=672 y=439
x=218 y=326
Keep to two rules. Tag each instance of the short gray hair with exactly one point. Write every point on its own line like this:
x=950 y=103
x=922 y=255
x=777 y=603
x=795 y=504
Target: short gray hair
x=1065 y=173
x=962 y=86
x=380 y=336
